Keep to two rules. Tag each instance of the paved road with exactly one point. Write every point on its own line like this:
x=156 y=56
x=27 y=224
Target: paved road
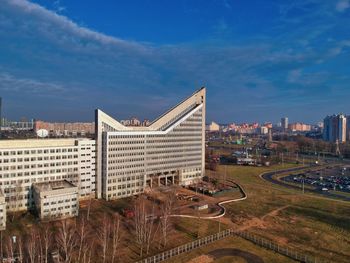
x=232 y=252
x=269 y=177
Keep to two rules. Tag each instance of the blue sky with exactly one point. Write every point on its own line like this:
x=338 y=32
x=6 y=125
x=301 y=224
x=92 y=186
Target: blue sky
x=260 y=60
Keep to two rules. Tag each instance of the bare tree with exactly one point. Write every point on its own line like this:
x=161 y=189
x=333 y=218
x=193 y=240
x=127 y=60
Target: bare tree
x=150 y=220
x=66 y=240
x=89 y=208
x=143 y=226
x=87 y=251
x=9 y=249
x=1 y=246
x=47 y=239
x=103 y=236
x=20 y=249
x=30 y=246
x=166 y=211
x=83 y=232
x=140 y=224
x=115 y=237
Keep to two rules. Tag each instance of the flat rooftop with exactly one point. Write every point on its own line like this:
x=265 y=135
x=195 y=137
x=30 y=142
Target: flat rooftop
x=36 y=143
x=50 y=186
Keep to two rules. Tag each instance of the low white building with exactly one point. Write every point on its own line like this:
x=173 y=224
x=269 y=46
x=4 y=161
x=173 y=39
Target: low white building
x=56 y=200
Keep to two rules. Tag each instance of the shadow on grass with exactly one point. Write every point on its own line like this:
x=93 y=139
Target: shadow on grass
x=322 y=216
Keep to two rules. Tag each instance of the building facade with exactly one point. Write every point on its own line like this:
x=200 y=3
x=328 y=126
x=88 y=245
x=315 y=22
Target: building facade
x=284 y=123
x=335 y=128
x=299 y=127
x=56 y=200
x=169 y=150
x=213 y=127
x=58 y=129
x=26 y=162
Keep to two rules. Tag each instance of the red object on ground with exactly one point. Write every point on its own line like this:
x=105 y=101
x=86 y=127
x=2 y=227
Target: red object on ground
x=128 y=213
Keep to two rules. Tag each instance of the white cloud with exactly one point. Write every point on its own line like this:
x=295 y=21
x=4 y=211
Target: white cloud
x=294 y=75
x=342 y=5
x=10 y=83
x=69 y=26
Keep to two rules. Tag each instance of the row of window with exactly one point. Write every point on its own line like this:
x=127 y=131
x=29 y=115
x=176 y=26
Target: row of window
x=39 y=172
x=21 y=152
x=124 y=179
x=60 y=201
x=40 y=158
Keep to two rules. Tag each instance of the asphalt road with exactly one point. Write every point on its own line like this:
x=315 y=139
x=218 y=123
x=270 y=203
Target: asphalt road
x=269 y=177
x=232 y=252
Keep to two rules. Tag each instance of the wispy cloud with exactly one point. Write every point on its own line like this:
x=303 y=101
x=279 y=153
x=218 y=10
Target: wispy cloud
x=9 y=83
x=342 y=5
x=67 y=25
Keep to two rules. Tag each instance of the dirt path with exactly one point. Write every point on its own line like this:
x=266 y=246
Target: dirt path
x=259 y=222
x=225 y=252
x=275 y=212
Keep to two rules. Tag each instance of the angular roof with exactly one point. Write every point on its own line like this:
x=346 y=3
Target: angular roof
x=164 y=123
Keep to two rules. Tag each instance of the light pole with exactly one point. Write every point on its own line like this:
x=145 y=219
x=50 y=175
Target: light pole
x=303 y=186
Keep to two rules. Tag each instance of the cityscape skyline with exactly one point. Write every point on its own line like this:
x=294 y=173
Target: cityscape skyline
x=256 y=69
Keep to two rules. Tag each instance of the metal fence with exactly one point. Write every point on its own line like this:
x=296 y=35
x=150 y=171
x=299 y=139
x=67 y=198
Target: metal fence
x=186 y=247
x=293 y=254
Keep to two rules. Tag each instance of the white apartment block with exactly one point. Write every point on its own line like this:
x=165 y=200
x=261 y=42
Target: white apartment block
x=26 y=162
x=169 y=150
x=2 y=211
x=56 y=200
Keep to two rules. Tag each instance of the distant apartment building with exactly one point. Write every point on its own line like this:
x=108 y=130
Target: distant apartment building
x=24 y=163
x=284 y=123
x=301 y=127
x=335 y=128
x=263 y=130
x=213 y=127
x=58 y=129
x=169 y=150
x=22 y=125
x=268 y=125
x=56 y=200
x=135 y=122
x=348 y=128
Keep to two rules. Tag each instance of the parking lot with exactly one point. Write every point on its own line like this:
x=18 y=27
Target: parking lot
x=330 y=178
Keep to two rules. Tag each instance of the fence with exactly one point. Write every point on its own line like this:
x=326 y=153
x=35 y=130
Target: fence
x=187 y=247
x=293 y=254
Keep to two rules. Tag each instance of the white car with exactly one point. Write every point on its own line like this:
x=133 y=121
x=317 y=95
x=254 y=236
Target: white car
x=324 y=189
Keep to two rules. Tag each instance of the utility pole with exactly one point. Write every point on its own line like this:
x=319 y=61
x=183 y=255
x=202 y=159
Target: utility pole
x=297 y=157
x=225 y=175
x=303 y=185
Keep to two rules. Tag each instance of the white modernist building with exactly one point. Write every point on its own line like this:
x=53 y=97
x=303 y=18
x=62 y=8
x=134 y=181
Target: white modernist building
x=169 y=150
x=24 y=163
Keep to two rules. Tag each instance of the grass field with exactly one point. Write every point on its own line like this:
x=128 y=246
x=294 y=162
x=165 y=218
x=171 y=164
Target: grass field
x=310 y=223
